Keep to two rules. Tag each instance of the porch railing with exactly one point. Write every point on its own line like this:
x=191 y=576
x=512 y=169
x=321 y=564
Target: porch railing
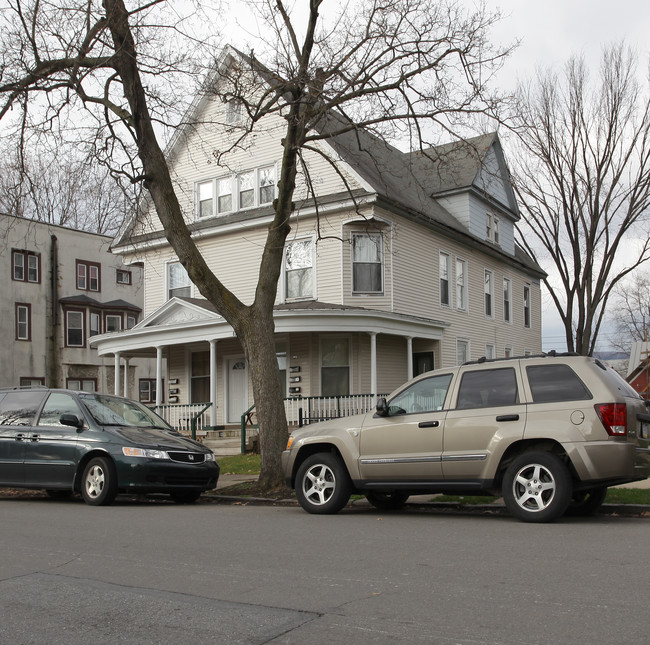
x=310 y=409
x=188 y=418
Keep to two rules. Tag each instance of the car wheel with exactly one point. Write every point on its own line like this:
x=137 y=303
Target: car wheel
x=586 y=502
x=537 y=487
x=59 y=493
x=99 y=482
x=387 y=501
x=186 y=498
x=323 y=484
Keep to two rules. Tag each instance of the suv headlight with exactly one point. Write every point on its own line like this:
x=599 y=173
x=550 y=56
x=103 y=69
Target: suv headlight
x=144 y=452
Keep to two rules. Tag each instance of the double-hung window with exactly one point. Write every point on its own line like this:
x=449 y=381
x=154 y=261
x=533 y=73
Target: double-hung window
x=461 y=284
x=206 y=198
x=526 y=306
x=112 y=322
x=88 y=276
x=26 y=266
x=492 y=228
x=366 y=263
x=266 y=185
x=298 y=268
x=247 y=189
x=445 y=269
x=507 y=297
x=74 y=328
x=335 y=366
x=224 y=195
x=123 y=277
x=234 y=111
x=23 y=321
x=178 y=282
x=489 y=293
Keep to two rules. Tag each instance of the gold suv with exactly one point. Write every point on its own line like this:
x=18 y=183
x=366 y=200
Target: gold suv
x=549 y=433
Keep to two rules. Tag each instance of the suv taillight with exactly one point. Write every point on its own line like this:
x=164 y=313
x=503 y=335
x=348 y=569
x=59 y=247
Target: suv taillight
x=614 y=418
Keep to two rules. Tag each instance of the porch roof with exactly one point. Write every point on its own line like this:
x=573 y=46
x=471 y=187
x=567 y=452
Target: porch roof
x=187 y=320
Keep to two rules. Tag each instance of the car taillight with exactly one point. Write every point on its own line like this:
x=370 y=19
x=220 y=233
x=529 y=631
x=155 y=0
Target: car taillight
x=614 y=418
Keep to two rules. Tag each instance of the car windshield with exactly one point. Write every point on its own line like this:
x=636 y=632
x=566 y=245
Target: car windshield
x=115 y=411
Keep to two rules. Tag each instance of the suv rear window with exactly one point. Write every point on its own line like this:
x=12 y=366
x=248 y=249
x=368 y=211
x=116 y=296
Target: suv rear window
x=554 y=383
x=488 y=389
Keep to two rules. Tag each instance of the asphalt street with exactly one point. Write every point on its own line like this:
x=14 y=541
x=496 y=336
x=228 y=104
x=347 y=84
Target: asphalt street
x=153 y=572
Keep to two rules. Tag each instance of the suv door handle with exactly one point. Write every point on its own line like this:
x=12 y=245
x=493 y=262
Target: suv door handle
x=21 y=436
x=428 y=424
x=35 y=437
x=508 y=417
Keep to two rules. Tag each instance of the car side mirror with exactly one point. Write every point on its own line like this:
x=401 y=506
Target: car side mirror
x=382 y=407
x=71 y=420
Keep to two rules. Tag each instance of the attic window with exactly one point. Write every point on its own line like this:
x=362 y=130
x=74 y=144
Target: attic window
x=234 y=111
x=492 y=228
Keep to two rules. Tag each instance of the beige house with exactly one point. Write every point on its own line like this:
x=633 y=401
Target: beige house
x=409 y=263
x=61 y=287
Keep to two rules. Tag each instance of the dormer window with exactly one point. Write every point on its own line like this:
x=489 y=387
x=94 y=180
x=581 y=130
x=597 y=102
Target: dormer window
x=492 y=228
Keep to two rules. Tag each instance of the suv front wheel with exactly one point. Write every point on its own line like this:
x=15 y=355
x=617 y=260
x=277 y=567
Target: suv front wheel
x=537 y=487
x=322 y=484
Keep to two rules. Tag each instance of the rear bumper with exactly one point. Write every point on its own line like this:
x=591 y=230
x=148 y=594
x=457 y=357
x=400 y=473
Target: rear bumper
x=609 y=461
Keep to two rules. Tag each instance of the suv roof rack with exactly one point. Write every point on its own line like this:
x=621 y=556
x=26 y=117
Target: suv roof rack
x=552 y=353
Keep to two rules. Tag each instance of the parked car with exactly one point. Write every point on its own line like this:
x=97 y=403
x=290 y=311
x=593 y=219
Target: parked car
x=66 y=441
x=549 y=433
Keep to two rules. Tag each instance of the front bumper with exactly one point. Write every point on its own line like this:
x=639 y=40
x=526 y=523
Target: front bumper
x=162 y=476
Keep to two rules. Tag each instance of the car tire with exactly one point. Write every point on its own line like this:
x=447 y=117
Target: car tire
x=99 y=482
x=186 y=498
x=537 y=487
x=387 y=501
x=323 y=484
x=586 y=502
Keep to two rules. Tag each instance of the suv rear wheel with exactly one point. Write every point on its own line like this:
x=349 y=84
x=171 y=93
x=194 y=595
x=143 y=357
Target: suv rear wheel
x=322 y=484
x=537 y=487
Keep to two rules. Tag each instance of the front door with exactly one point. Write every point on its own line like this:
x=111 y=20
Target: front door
x=237 y=384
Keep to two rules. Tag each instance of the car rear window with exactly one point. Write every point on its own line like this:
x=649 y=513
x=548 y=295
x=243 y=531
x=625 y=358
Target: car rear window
x=555 y=383
x=19 y=408
x=488 y=389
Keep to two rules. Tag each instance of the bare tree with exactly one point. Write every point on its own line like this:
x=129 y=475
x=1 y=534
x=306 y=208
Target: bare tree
x=583 y=178
x=631 y=312
x=60 y=187
x=397 y=67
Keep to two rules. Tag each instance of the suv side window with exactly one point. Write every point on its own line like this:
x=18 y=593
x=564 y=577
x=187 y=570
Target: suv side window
x=488 y=388
x=58 y=403
x=19 y=408
x=427 y=395
x=555 y=383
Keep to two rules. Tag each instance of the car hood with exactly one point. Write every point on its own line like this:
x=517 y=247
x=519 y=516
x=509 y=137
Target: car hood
x=333 y=425
x=158 y=438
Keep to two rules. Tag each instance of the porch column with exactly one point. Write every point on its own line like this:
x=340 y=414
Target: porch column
x=373 y=365
x=159 y=382
x=213 y=382
x=126 y=378
x=118 y=375
x=409 y=358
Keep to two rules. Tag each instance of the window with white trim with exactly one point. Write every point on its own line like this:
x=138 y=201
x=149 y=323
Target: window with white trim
x=74 y=328
x=507 y=352
x=335 y=366
x=234 y=111
x=23 y=321
x=224 y=195
x=461 y=284
x=507 y=298
x=82 y=384
x=178 y=282
x=490 y=351
x=112 y=322
x=367 y=263
x=526 y=305
x=489 y=293
x=266 y=185
x=205 y=196
x=246 y=189
x=462 y=351
x=95 y=324
x=492 y=226
x=298 y=268
x=445 y=271
x=88 y=276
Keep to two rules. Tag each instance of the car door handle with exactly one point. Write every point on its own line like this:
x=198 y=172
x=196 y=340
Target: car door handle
x=35 y=437
x=508 y=417
x=428 y=424
x=21 y=436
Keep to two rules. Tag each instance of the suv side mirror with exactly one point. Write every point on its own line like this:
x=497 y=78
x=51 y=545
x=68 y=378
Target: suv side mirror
x=71 y=420
x=382 y=407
